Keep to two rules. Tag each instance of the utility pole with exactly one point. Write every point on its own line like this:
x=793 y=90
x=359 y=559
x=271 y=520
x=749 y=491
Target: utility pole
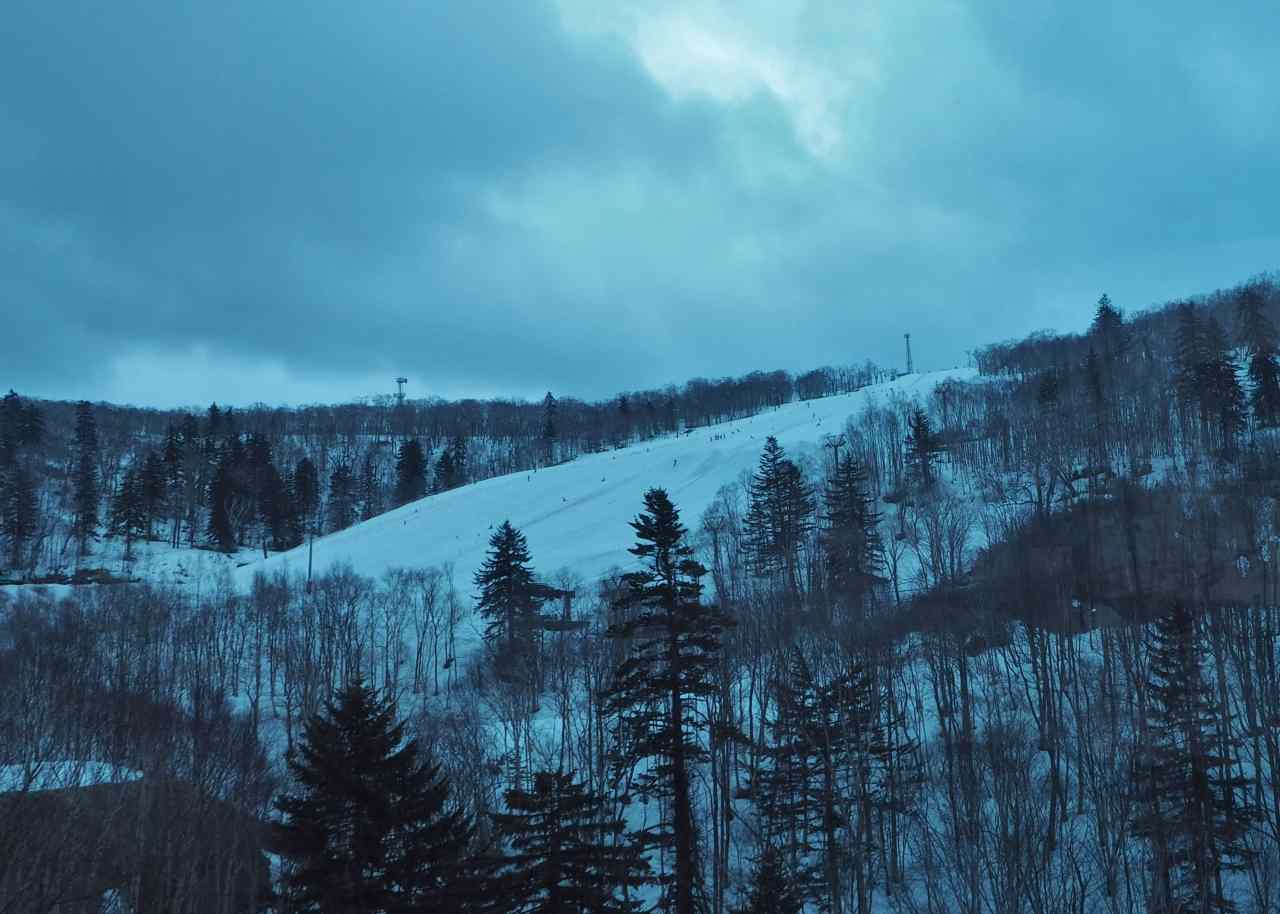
x=910 y=367
x=835 y=442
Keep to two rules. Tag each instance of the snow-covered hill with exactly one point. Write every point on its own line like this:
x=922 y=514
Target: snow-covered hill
x=575 y=515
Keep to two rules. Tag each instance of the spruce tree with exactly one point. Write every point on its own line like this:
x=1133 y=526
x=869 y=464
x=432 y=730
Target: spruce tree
x=304 y=495
x=566 y=853
x=779 y=517
x=458 y=457
x=822 y=789
x=923 y=448
x=369 y=826
x=370 y=489
x=128 y=517
x=1223 y=398
x=274 y=509
x=673 y=644
x=222 y=490
x=153 y=491
x=84 y=499
x=851 y=538
x=772 y=888
x=507 y=595
x=1189 y=354
x=1109 y=330
x=1257 y=335
x=175 y=481
x=342 y=498
x=19 y=509
x=550 y=426
x=445 y=477
x=411 y=472
x=1195 y=802
x=21 y=424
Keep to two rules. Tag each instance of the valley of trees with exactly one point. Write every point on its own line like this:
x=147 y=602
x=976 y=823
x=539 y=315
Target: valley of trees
x=1009 y=649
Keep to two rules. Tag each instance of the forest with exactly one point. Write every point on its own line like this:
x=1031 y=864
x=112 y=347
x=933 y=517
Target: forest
x=1010 y=647
x=264 y=477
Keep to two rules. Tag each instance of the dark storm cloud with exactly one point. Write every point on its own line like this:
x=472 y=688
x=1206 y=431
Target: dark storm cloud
x=320 y=195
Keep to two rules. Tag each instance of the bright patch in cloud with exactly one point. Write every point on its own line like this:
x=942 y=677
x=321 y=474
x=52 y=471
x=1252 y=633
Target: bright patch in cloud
x=734 y=53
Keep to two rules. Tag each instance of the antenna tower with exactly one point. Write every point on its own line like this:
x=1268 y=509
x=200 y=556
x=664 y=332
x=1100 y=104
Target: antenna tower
x=910 y=368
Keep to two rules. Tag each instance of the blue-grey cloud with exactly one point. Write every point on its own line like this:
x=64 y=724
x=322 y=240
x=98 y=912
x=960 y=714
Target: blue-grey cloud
x=509 y=197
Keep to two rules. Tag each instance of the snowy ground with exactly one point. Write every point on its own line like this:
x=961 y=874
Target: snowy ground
x=576 y=515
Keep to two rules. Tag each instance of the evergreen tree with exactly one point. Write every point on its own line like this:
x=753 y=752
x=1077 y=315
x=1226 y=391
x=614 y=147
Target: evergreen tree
x=451 y=466
x=550 y=426
x=189 y=484
x=19 y=509
x=567 y=853
x=84 y=499
x=854 y=551
x=1195 y=801
x=411 y=472
x=1047 y=391
x=1257 y=335
x=508 y=596
x=370 y=489
x=673 y=642
x=779 y=517
x=222 y=491
x=1109 y=330
x=274 y=509
x=445 y=474
x=305 y=494
x=342 y=498
x=924 y=448
x=128 y=517
x=458 y=457
x=153 y=491
x=772 y=889
x=368 y=825
x=1189 y=353
x=175 y=480
x=21 y=424
x=1205 y=378
x=1222 y=397
x=820 y=793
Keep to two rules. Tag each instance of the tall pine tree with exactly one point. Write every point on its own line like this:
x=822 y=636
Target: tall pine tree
x=368 y=825
x=128 y=517
x=1257 y=335
x=411 y=472
x=1194 y=801
x=508 y=596
x=342 y=498
x=19 y=510
x=851 y=538
x=924 y=447
x=84 y=498
x=673 y=644
x=779 y=517
x=566 y=852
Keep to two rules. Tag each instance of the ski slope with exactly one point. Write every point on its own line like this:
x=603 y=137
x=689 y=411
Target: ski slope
x=575 y=515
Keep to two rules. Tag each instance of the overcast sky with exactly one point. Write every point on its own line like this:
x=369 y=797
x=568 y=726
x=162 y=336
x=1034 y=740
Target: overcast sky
x=295 y=202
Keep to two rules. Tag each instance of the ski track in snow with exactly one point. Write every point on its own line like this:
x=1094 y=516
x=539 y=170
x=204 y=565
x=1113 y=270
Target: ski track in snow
x=575 y=515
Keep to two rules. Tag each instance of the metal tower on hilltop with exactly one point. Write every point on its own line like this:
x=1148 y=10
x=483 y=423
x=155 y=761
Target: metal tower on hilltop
x=910 y=367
